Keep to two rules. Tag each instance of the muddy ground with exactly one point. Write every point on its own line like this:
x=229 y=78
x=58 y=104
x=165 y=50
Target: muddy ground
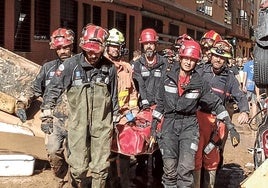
x=237 y=166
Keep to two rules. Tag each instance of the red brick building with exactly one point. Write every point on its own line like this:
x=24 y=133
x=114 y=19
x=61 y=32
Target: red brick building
x=25 y=25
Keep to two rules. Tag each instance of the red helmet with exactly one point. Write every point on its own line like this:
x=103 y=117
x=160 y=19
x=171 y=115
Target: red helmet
x=93 y=38
x=181 y=39
x=168 y=53
x=209 y=38
x=148 y=35
x=61 y=37
x=190 y=48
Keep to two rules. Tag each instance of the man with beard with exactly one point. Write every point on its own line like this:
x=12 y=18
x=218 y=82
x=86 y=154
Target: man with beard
x=224 y=84
x=128 y=98
x=61 y=41
x=90 y=82
x=148 y=70
x=206 y=42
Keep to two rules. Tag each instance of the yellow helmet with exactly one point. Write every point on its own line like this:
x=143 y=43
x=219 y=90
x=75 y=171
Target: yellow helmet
x=222 y=48
x=115 y=38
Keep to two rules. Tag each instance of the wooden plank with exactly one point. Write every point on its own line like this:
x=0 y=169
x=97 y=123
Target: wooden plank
x=33 y=122
x=258 y=179
x=20 y=143
x=16 y=73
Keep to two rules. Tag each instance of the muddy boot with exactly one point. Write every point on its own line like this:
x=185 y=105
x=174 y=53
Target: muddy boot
x=58 y=164
x=209 y=178
x=197 y=178
x=72 y=183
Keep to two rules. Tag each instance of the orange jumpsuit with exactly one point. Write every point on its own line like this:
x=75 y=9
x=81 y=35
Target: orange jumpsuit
x=127 y=93
x=209 y=130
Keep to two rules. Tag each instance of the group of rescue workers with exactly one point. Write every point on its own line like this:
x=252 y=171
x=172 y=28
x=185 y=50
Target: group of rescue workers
x=86 y=95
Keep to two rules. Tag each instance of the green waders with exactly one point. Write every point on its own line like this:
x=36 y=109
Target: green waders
x=89 y=133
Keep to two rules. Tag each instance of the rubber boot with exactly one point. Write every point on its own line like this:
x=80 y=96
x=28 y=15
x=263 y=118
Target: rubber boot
x=58 y=163
x=98 y=183
x=197 y=178
x=209 y=178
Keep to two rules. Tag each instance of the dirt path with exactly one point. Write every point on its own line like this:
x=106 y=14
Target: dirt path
x=231 y=175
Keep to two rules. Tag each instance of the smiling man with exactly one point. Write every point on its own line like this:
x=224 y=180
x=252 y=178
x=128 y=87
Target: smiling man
x=224 y=84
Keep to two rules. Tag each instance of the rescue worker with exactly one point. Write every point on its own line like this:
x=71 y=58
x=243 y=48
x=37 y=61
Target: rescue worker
x=148 y=70
x=179 y=42
x=61 y=41
x=90 y=82
x=206 y=42
x=181 y=92
x=128 y=107
x=171 y=57
x=224 y=84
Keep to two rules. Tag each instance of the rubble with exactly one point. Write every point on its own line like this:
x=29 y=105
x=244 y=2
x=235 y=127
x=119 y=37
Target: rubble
x=16 y=73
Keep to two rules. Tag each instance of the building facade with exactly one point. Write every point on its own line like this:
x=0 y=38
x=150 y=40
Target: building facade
x=25 y=25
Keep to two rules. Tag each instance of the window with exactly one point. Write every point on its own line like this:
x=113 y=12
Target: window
x=191 y=33
x=199 y=35
x=2 y=22
x=121 y=22
x=68 y=16
x=96 y=15
x=87 y=14
x=152 y=23
x=117 y=20
x=110 y=19
x=92 y=14
x=131 y=35
x=204 y=7
x=22 y=25
x=42 y=20
x=173 y=31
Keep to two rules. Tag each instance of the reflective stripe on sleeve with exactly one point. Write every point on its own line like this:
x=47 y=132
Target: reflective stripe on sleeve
x=157 y=115
x=145 y=101
x=222 y=115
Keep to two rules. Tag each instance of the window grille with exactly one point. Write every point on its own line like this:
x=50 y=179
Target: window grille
x=22 y=25
x=2 y=22
x=68 y=17
x=96 y=15
x=42 y=20
x=87 y=13
x=174 y=31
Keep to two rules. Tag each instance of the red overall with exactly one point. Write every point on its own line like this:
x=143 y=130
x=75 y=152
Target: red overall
x=209 y=130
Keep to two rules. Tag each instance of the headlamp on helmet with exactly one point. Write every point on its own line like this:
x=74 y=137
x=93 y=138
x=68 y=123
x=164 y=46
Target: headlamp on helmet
x=222 y=48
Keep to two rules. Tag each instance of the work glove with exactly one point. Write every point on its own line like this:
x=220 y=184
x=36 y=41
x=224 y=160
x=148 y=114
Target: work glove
x=21 y=114
x=47 y=125
x=235 y=137
x=20 y=111
x=153 y=132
